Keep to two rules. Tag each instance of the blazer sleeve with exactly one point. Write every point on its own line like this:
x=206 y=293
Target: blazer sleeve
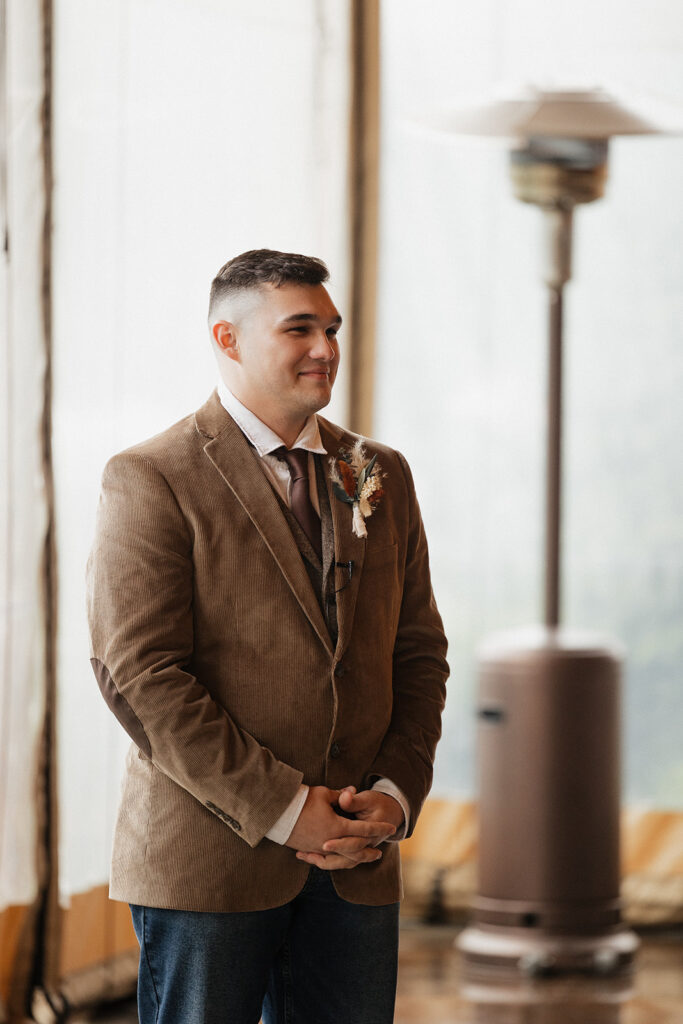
x=139 y=597
x=420 y=670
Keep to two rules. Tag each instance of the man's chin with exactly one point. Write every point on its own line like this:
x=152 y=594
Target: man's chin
x=318 y=397
x=321 y=402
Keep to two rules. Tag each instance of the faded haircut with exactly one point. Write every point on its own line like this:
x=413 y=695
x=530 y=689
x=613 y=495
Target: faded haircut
x=251 y=270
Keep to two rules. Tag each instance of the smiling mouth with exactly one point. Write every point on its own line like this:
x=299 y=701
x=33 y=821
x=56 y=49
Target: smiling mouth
x=315 y=373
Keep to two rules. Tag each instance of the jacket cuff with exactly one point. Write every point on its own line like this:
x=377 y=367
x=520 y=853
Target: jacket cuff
x=385 y=785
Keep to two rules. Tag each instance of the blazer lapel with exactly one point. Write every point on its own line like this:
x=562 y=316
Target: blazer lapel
x=230 y=453
x=349 y=550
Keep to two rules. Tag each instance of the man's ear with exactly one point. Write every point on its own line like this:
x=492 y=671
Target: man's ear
x=225 y=336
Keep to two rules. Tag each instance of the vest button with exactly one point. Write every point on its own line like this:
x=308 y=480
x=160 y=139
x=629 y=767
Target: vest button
x=334 y=750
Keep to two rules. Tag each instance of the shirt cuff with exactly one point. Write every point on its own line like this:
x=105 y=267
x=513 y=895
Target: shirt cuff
x=391 y=789
x=282 y=829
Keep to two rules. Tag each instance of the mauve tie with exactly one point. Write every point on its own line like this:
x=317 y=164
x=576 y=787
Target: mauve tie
x=302 y=507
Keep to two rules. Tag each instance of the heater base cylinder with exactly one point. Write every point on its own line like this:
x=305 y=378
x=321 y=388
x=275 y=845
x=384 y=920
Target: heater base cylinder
x=549 y=800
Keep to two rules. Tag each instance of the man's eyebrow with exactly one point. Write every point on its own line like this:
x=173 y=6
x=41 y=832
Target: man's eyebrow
x=307 y=316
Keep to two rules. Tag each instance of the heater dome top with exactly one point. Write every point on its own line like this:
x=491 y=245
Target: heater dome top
x=530 y=111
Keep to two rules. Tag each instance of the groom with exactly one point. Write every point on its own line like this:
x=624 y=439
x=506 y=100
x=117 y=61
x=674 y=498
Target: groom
x=263 y=626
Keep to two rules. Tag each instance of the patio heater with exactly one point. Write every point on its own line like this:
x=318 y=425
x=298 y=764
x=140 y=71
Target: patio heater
x=548 y=699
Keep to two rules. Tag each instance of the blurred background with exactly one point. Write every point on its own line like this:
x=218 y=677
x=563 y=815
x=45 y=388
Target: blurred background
x=145 y=142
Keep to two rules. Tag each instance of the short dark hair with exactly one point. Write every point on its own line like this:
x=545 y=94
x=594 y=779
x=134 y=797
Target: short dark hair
x=257 y=267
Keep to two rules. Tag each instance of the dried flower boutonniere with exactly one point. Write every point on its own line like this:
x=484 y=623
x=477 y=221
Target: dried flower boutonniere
x=358 y=482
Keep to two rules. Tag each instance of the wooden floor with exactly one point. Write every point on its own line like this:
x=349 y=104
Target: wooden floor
x=433 y=989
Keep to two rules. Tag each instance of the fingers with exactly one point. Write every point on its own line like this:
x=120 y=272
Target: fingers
x=366 y=800
x=331 y=862
x=351 y=846
x=366 y=829
x=337 y=862
x=372 y=804
x=347 y=846
x=353 y=802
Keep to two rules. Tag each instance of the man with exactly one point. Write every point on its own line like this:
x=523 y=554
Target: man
x=263 y=626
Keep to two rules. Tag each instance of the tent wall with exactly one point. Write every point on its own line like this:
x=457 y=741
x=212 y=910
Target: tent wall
x=177 y=135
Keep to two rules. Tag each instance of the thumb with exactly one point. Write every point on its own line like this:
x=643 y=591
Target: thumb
x=334 y=795
x=347 y=797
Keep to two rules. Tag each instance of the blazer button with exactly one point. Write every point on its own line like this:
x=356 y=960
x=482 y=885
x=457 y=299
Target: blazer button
x=334 y=750
x=339 y=670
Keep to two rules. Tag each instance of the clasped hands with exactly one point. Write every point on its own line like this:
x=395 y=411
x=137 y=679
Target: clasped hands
x=329 y=841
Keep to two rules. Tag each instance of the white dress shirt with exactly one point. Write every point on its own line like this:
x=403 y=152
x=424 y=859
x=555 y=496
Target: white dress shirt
x=265 y=441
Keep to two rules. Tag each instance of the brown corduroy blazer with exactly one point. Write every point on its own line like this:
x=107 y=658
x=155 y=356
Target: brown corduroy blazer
x=210 y=646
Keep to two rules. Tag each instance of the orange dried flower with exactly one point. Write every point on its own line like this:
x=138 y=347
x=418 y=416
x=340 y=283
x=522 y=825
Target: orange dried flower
x=348 y=479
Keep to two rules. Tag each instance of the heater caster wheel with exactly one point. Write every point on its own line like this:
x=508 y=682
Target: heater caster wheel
x=606 y=961
x=537 y=964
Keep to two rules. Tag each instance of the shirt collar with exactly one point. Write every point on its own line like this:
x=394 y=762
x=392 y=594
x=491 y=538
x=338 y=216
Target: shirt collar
x=265 y=440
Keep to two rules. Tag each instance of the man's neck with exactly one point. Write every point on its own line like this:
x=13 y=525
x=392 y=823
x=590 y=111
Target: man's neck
x=286 y=431
x=284 y=428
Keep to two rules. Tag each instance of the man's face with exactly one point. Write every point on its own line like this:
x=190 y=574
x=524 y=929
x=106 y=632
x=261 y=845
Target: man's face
x=287 y=352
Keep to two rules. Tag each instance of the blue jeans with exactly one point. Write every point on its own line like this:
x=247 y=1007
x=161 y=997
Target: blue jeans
x=316 y=960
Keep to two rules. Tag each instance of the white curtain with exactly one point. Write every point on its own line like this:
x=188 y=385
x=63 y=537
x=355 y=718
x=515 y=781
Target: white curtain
x=461 y=382
x=185 y=133
x=23 y=497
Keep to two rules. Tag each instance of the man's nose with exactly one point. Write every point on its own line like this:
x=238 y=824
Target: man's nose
x=322 y=347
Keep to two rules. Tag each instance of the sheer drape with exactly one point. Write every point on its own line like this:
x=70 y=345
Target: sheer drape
x=23 y=504
x=23 y=491
x=204 y=130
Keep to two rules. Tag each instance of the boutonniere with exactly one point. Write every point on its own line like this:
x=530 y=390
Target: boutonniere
x=357 y=481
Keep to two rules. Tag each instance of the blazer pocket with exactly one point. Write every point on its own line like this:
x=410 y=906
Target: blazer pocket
x=375 y=558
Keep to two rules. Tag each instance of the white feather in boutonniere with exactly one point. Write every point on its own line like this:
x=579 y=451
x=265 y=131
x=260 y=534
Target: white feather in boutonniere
x=357 y=481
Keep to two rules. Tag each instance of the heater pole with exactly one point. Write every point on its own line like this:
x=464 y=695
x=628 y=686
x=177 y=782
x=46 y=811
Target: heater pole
x=553 y=475
x=556 y=272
